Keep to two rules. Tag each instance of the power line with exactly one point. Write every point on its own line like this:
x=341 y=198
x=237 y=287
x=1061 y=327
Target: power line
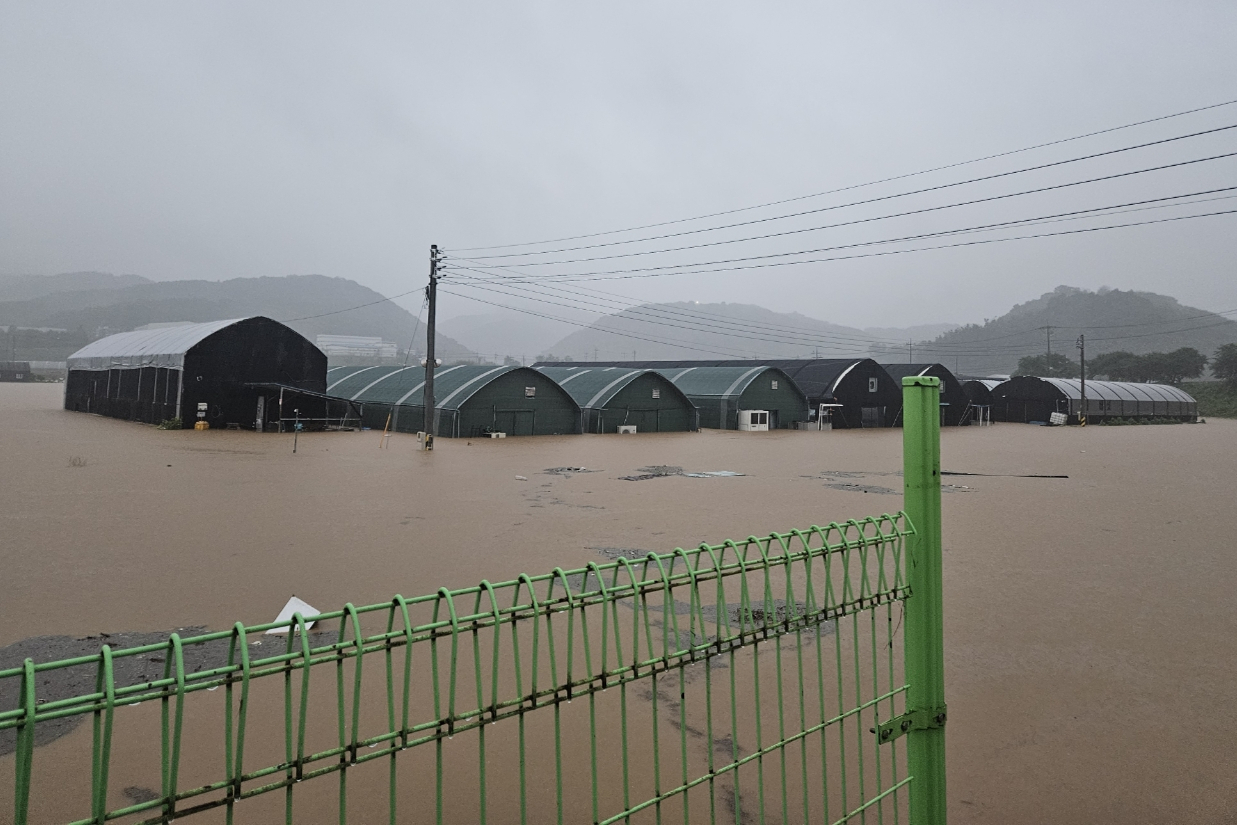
x=858 y=185
x=833 y=337
x=590 y=326
x=350 y=309
x=1037 y=190
x=1071 y=215
x=1005 y=352
x=681 y=269
x=737 y=328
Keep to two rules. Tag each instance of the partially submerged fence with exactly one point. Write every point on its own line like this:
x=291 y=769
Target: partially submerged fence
x=750 y=681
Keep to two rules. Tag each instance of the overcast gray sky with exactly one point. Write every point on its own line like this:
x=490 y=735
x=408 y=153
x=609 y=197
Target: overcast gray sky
x=221 y=140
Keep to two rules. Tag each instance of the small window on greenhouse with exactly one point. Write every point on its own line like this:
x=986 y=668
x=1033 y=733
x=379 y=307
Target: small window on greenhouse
x=773 y=384
x=657 y=393
x=530 y=392
x=871 y=385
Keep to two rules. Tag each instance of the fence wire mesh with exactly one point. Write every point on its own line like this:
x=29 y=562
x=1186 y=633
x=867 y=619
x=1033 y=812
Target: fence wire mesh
x=738 y=682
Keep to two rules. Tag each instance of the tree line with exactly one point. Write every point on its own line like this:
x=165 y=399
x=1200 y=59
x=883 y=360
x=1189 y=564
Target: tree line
x=1152 y=367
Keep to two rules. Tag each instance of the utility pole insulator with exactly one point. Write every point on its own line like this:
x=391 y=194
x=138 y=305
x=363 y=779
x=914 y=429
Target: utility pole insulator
x=431 y=295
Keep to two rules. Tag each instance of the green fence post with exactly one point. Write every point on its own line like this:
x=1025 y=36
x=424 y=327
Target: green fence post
x=924 y=636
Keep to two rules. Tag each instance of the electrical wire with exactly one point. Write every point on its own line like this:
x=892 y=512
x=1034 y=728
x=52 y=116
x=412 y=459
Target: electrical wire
x=382 y=300
x=741 y=330
x=1038 y=190
x=625 y=303
x=858 y=185
x=681 y=269
x=1004 y=352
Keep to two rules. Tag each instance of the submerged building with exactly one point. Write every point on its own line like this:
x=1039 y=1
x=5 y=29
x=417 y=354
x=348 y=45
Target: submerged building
x=15 y=371
x=721 y=394
x=955 y=403
x=1027 y=399
x=613 y=397
x=222 y=372
x=854 y=392
x=469 y=399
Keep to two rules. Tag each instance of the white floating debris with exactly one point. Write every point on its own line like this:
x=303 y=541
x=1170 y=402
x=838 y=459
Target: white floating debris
x=521 y=478
x=294 y=605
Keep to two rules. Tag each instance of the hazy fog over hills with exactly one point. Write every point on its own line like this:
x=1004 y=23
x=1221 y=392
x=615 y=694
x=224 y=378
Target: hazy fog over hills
x=505 y=332
x=27 y=287
x=688 y=329
x=310 y=304
x=90 y=304
x=1111 y=319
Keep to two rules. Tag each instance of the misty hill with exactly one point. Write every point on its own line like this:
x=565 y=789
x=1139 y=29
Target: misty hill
x=691 y=330
x=1137 y=322
x=506 y=332
x=921 y=332
x=310 y=304
x=28 y=287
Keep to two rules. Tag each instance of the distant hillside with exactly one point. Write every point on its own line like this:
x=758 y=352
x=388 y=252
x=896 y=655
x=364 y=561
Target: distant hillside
x=691 y=330
x=507 y=332
x=1137 y=322
x=28 y=287
x=922 y=332
x=310 y=304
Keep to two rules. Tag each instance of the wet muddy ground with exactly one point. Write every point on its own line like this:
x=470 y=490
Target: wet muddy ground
x=1089 y=630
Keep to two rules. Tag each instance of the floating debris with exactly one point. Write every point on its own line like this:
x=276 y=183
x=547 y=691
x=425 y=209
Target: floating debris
x=566 y=472
x=862 y=488
x=294 y=605
x=656 y=471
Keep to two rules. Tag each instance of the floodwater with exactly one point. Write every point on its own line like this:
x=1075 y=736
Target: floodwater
x=1089 y=630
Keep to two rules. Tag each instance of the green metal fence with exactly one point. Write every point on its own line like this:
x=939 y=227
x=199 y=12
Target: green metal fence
x=751 y=681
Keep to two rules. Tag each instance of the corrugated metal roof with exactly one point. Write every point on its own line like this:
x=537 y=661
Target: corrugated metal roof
x=594 y=387
x=164 y=347
x=816 y=377
x=453 y=386
x=720 y=382
x=1119 y=390
x=900 y=371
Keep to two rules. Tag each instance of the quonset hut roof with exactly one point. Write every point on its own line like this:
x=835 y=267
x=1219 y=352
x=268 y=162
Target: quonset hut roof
x=453 y=386
x=715 y=382
x=593 y=387
x=165 y=347
x=954 y=398
x=817 y=377
x=1119 y=390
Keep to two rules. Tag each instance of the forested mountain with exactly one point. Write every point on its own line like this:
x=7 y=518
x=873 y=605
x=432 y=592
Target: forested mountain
x=310 y=304
x=1112 y=320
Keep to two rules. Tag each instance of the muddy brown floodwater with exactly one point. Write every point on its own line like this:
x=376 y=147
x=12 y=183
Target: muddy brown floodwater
x=1090 y=630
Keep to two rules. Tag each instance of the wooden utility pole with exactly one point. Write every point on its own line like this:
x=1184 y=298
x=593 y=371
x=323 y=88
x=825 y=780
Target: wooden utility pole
x=431 y=296
x=1082 y=374
x=1048 y=357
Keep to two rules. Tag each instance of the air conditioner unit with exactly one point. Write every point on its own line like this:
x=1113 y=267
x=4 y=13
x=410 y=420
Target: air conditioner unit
x=627 y=429
x=753 y=420
x=498 y=435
